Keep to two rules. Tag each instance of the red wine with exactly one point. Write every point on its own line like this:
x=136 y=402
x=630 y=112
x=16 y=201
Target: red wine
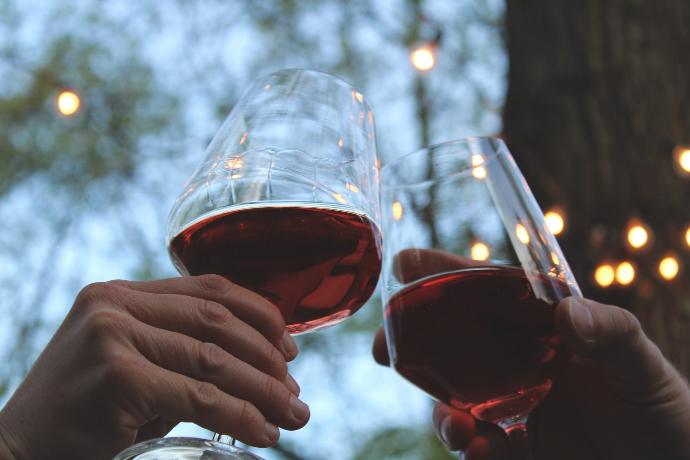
x=318 y=265
x=477 y=339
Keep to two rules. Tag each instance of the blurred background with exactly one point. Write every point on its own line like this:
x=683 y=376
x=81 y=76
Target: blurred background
x=107 y=107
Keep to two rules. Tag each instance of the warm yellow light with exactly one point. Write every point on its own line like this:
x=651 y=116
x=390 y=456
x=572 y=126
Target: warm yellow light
x=555 y=221
x=684 y=160
x=604 y=275
x=397 y=210
x=359 y=96
x=669 y=268
x=687 y=236
x=341 y=143
x=68 y=102
x=478 y=171
x=340 y=198
x=423 y=58
x=352 y=187
x=638 y=236
x=625 y=273
x=521 y=233
x=480 y=251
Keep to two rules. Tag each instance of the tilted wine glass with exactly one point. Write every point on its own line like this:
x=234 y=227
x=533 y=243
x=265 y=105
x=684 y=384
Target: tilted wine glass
x=286 y=203
x=471 y=276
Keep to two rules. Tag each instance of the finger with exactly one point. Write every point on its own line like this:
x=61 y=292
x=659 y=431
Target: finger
x=156 y=428
x=210 y=363
x=413 y=264
x=380 y=348
x=159 y=393
x=250 y=307
x=453 y=427
x=206 y=321
x=613 y=337
x=488 y=445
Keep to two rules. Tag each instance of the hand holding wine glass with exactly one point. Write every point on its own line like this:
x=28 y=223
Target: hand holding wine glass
x=132 y=359
x=618 y=398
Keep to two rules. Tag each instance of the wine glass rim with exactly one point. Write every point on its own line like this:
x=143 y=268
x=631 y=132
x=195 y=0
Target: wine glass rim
x=464 y=142
x=323 y=73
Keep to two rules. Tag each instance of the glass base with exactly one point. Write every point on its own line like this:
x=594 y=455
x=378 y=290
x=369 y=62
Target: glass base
x=184 y=449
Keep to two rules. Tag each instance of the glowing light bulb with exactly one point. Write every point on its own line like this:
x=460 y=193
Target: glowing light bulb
x=683 y=159
x=637 y=235
x=68 y=102
x=423 y=58
x=604 y=275
x=625 y=273
x=480 y=251
x=397 y=210
x=687 y=236
x=669 y=267
x=555 y=221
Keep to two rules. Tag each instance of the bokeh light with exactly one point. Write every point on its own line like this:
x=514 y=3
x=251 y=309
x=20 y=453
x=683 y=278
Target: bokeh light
x=68 y=102
x=669 y=267
x=555 y=221
x=480 y=251
x=423 y=57
x=625 y=273
x=604 y=275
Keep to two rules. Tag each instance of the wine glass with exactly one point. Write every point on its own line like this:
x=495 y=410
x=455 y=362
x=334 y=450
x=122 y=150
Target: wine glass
x=471 y=277
x=286 y=203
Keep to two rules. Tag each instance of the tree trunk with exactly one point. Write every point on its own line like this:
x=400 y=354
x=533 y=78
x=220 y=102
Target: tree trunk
x=598 y=96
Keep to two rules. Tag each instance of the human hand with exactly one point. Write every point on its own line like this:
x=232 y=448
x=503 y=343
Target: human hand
x=132 y=359
x=617 y=398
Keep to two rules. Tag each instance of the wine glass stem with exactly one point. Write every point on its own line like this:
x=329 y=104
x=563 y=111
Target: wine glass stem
x=224 y=438
x=518 y=440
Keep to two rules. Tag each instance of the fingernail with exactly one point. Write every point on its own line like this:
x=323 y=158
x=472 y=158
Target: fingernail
x=299 y=410
x=292 y=385
x=272 y=433
x=289 y=346
x=581 y=317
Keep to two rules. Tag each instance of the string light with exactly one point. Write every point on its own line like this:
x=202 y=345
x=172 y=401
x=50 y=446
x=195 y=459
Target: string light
x=68 y=102
x=625 y=273
x=637 y=234
x=423 y=57
x=687 y=236
x=669 y=267
x=604 y=275
x=480 y=251
x=681 y=154
x=555 y=221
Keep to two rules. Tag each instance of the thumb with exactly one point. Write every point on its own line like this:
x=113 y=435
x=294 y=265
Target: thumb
x=613 y=338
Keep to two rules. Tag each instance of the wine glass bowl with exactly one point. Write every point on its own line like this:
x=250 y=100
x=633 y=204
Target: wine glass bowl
x=471 y=276
x=286 y=202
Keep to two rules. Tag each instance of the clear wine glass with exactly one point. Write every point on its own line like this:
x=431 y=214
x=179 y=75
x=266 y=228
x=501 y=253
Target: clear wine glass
x=286 y=203
x=471 y=276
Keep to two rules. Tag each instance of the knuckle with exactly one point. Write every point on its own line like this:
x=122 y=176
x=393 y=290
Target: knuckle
x=105 y=322
x=276 y=363
x=213 y=283
x=211 y=358
x=270 y=388
x=247 y=414
x=213 y=313
x=96 y=294
x=205 y=396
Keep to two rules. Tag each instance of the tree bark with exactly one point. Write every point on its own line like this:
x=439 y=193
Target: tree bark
x=598 y=96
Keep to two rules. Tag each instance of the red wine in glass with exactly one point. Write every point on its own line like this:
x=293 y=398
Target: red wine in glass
x=477 y=339
x=318 y=264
